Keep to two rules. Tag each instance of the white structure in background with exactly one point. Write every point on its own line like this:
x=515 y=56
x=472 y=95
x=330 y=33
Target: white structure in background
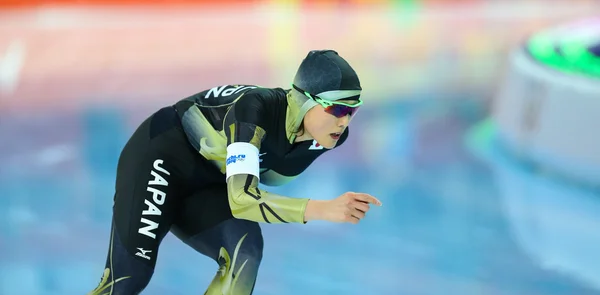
x=549 y=116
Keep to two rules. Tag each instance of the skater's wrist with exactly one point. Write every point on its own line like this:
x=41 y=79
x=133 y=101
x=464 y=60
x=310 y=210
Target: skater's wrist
x=313 y=210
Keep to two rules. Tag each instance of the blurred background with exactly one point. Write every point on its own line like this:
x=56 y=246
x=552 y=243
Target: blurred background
x=484 y=154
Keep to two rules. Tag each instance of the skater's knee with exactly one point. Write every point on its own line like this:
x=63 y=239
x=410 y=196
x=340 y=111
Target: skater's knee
x=125 y=273
x=238 y=266
x=112 y=283
x=249 y=247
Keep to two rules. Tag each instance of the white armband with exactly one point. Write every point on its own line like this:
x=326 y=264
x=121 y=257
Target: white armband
x=242 y=158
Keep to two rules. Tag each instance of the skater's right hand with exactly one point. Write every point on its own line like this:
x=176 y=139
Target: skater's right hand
x=349 y=207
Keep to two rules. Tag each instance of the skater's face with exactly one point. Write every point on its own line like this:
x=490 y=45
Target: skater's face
x=326 y=124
